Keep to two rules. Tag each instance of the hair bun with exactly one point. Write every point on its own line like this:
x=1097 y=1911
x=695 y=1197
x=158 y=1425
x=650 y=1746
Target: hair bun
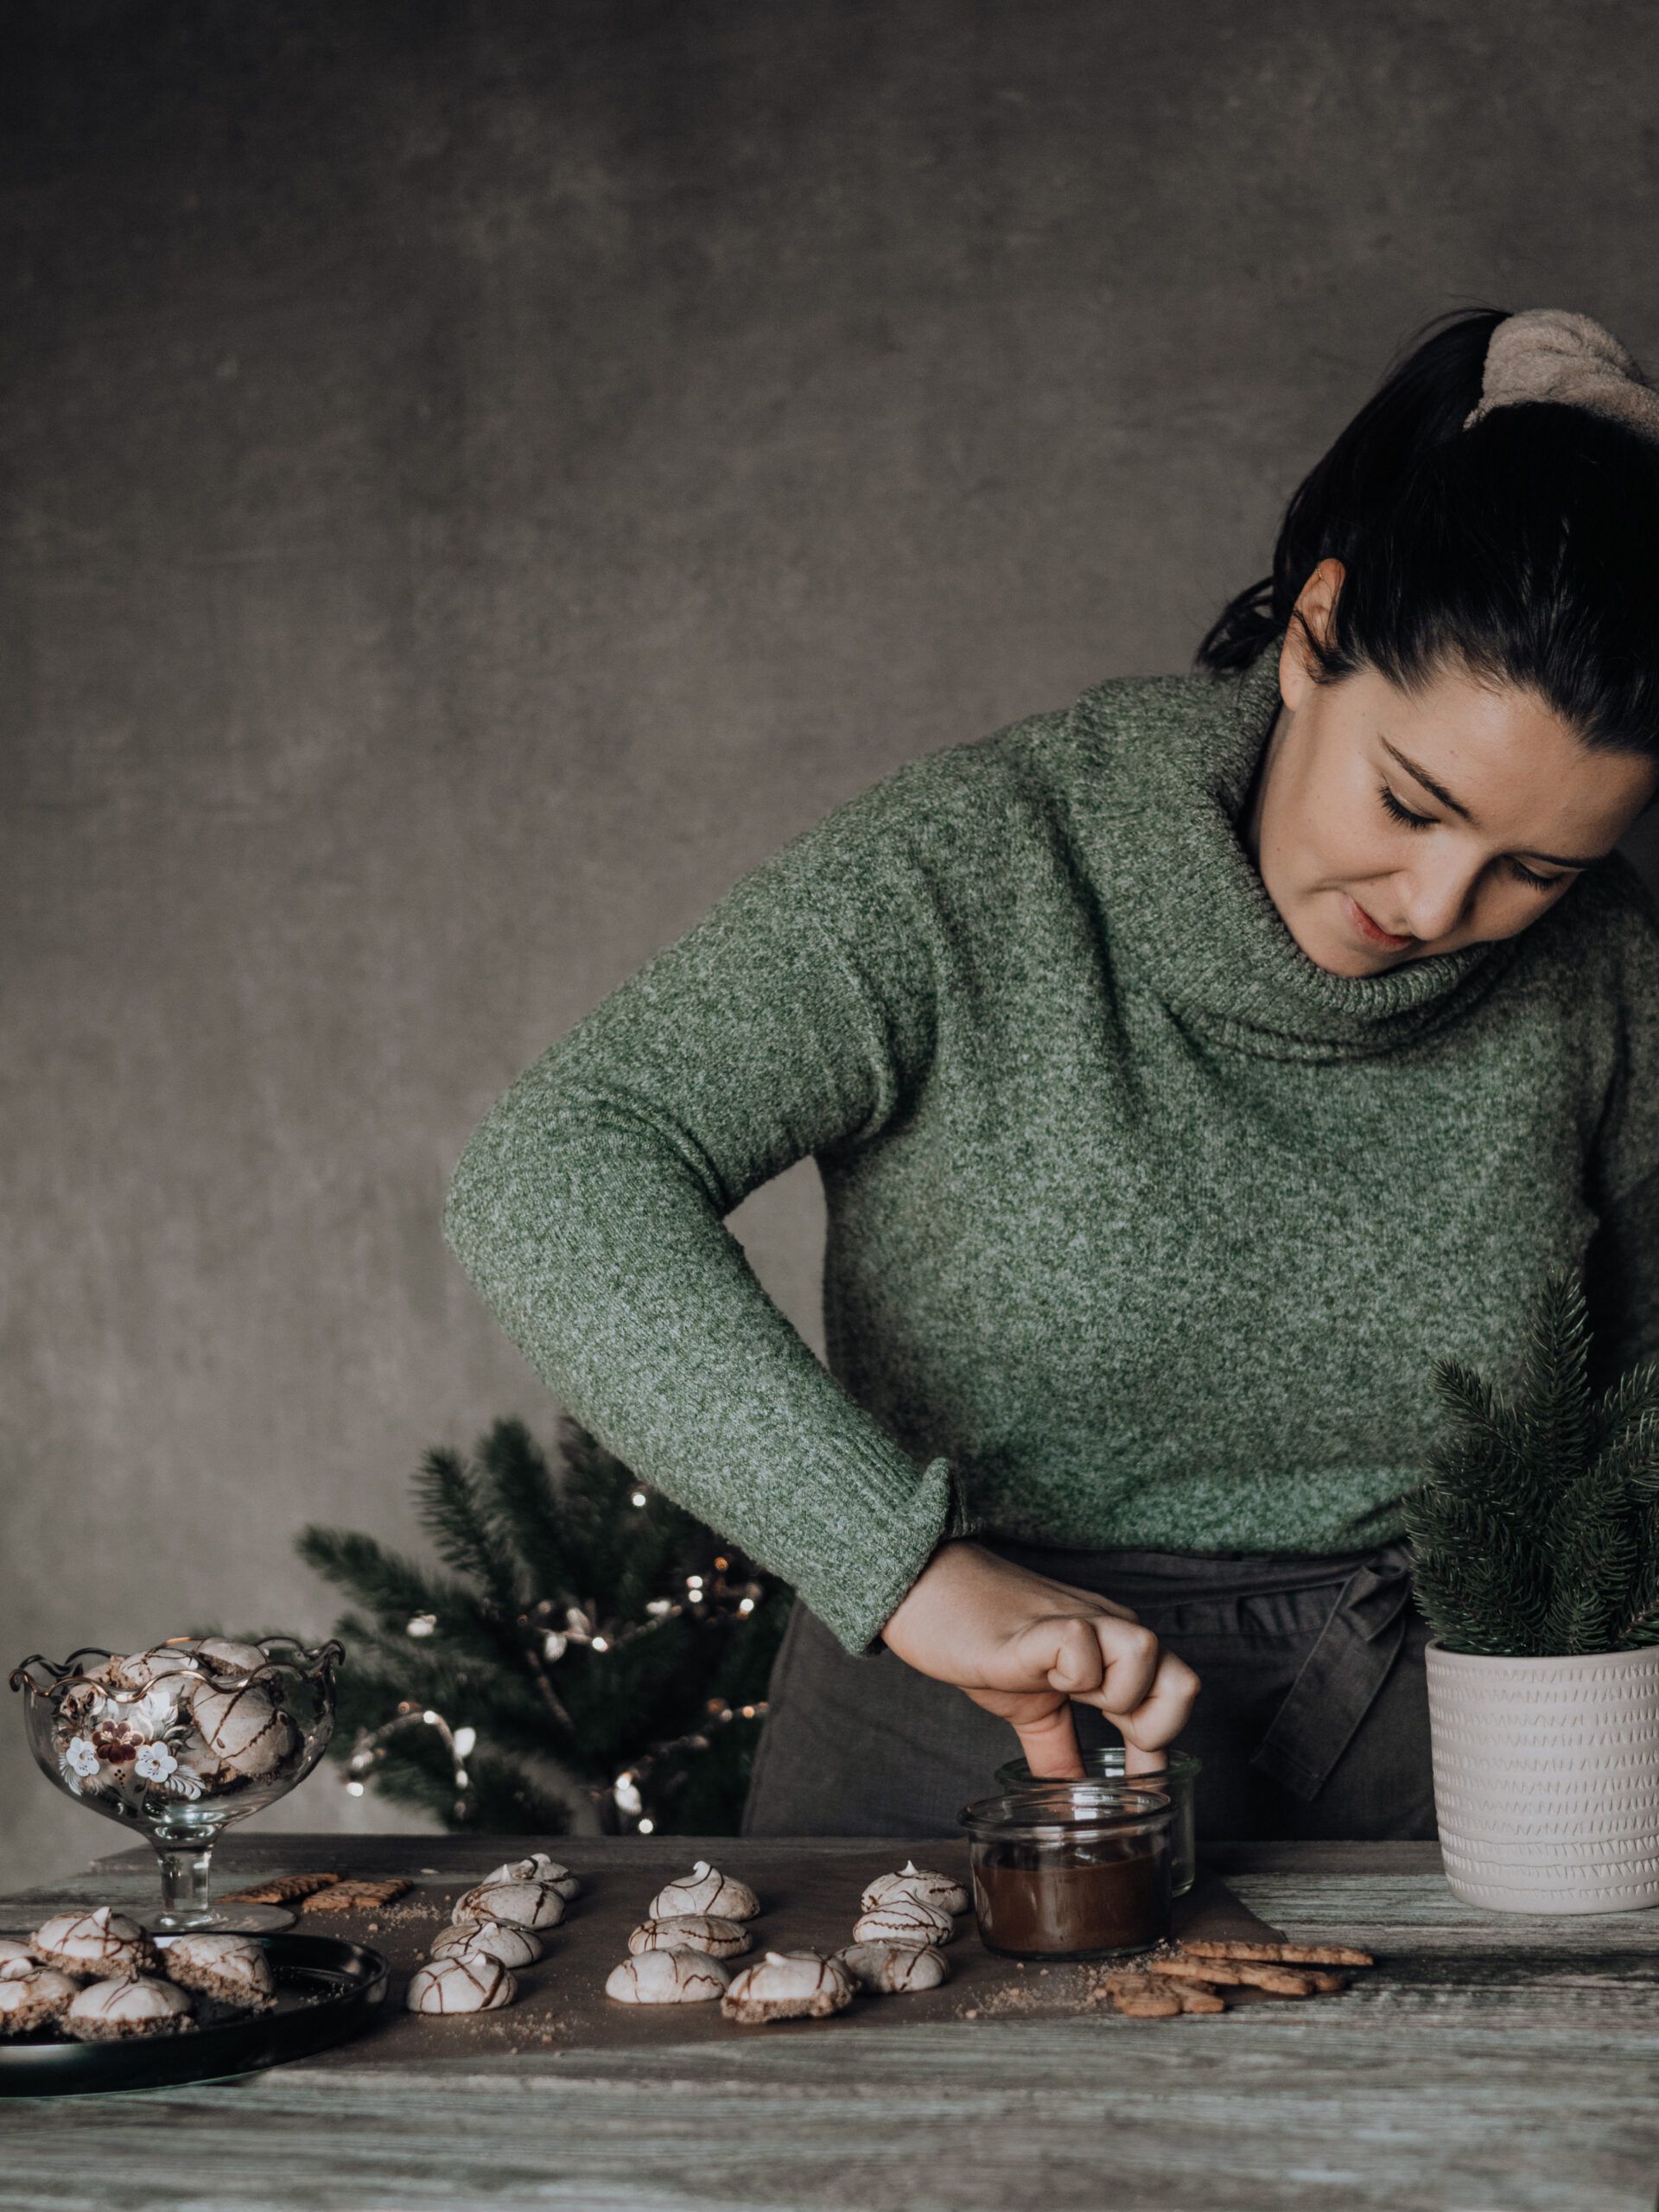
x=1562 y=360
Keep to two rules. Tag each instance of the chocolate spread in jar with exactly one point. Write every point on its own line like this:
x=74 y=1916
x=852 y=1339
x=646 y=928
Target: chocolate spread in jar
x=1033 y=1903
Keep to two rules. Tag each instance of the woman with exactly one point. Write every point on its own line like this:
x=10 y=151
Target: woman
x=1187 y=1070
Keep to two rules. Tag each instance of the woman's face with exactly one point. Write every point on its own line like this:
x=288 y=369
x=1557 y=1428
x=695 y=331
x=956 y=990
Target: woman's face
x=1388 y=825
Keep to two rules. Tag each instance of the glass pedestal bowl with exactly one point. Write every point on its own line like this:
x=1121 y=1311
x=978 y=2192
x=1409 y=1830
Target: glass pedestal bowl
x=180 y=1741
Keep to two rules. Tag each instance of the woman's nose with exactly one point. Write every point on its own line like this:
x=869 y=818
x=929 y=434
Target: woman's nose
x=1436 y=903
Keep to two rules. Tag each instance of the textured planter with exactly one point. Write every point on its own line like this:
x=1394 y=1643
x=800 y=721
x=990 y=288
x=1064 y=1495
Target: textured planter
x=1546 y=1779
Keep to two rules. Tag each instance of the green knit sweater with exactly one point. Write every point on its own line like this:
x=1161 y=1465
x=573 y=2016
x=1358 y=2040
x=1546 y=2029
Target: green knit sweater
x=1143 y=1230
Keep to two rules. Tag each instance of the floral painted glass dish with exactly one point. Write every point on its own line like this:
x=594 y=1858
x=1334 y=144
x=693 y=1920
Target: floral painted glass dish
x=180 y=1740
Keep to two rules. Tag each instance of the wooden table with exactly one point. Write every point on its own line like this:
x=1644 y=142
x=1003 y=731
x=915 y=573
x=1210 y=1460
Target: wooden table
x=1490 y=2063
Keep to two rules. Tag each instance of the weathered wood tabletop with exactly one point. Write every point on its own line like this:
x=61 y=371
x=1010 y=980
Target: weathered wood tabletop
x=1489 y=2063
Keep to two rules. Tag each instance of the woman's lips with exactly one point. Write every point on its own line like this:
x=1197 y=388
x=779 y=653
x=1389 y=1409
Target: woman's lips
x=1370 y=931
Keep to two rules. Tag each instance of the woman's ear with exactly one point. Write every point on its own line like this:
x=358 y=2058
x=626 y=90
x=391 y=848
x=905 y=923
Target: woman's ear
x=1312 y=623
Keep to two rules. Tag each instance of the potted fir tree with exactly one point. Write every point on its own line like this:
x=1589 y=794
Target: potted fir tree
x=1536 y=1544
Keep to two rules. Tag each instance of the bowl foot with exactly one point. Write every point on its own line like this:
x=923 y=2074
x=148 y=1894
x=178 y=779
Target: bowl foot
x=222 y=1919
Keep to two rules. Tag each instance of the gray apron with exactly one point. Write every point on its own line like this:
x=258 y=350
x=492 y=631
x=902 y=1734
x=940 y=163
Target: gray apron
x=1312 y=1720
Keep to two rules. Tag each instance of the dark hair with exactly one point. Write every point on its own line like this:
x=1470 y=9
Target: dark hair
x=1525 y=548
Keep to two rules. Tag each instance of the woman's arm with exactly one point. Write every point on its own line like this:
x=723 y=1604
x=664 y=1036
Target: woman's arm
x=588 y=1209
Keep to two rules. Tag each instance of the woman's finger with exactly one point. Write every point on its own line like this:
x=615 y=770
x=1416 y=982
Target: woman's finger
x=1160 y=1716
x=1135 y=1761
x=1050 y=1744
x=1129 y=1664
x=1060 y=1649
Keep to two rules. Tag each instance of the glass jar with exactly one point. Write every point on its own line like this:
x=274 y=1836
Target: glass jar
x=1177 y=1777
x=1070 y=1870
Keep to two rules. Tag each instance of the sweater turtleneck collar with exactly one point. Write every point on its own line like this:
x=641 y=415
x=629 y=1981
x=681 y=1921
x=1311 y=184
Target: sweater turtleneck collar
x=1190 y=912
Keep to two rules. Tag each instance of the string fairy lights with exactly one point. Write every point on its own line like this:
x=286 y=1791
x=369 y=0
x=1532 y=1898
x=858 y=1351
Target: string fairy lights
x=549 y=1630
x=369 y=1751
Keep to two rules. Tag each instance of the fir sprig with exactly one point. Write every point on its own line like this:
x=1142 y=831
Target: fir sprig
x=1536 y=1532
x=589 y=1629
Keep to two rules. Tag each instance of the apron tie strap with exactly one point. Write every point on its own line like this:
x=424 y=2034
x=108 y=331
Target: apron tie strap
x=1341 y=1675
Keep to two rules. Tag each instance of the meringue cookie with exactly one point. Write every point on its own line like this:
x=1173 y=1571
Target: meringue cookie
x=788 y=1985
x=705 y=1888
x=135 y=2005
x=96 y=1944
x=913 y=1881
x=667 y=1978
x=692 y=1931
x=904 y=1920
x=538 y=1867
x=243 y=1726
x=504 y=1941
x=461 y=1981
x=526 y=1905
x=890 y=1969
x=16 y=1958
x=141 y=1670
x=30 y=1999
x=232 y=1968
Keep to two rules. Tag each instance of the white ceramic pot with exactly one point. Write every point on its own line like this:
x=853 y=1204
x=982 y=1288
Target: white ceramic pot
x=1546 y=1779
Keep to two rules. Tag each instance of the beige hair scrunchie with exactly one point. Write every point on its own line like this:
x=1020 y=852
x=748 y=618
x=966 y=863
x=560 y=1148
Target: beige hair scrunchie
x=1570 y=361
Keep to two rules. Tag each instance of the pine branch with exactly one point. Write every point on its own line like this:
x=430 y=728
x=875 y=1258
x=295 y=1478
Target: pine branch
x=454 y=1518
x=1631 y=1403
x=526 y=1509
x=1475 y=1525
x=1556 y=1406
x=1535 y=1530
x=392 y=1587
x=1637 y=1442
x=1594 y=1557
x=524 y=1540
x=396 y=1593
x=1639 y=1628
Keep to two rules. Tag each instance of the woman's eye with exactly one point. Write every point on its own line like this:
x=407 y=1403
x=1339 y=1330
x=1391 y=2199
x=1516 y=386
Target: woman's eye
x=1404 y=813
x=1426 y=821
x=1538 y=882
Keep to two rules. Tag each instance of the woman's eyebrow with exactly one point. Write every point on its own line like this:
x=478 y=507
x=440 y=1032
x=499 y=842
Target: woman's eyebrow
x=1440 y=792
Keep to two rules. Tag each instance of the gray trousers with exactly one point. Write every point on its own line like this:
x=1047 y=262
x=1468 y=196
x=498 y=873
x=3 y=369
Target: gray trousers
x=1313 y=1719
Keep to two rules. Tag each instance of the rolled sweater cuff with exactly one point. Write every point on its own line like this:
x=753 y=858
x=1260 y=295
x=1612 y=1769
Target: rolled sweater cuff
x=887 y=1514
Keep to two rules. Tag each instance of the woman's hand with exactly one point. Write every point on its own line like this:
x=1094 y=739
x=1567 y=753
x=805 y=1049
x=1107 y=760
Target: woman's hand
x=1024 y=1647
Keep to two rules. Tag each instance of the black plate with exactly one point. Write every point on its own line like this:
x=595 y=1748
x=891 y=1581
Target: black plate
x=325 y=1990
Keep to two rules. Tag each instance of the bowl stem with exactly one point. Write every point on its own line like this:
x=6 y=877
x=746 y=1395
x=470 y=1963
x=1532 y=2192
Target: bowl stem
x=184 y=1884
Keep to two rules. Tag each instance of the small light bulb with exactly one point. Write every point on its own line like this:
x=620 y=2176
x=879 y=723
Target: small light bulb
x=430 y=1719
x=354 y=1790
x=647 y=1828
x=461 y=1777
x=599 y=1644
x=746 y=1604
x=639 y=1497
x=464 y=1739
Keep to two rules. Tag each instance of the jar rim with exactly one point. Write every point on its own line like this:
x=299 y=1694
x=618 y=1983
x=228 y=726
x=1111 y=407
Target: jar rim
x=1070 y=1809
x=1178 y=1766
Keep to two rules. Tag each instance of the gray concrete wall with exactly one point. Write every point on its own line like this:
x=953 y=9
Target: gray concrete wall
x=481 y=476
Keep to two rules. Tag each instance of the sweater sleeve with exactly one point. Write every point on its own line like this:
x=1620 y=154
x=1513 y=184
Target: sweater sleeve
x=1623 y=1262
x=588 y=1210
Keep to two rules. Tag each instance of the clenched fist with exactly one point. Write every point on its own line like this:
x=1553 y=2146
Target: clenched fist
x=1025 y=1647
